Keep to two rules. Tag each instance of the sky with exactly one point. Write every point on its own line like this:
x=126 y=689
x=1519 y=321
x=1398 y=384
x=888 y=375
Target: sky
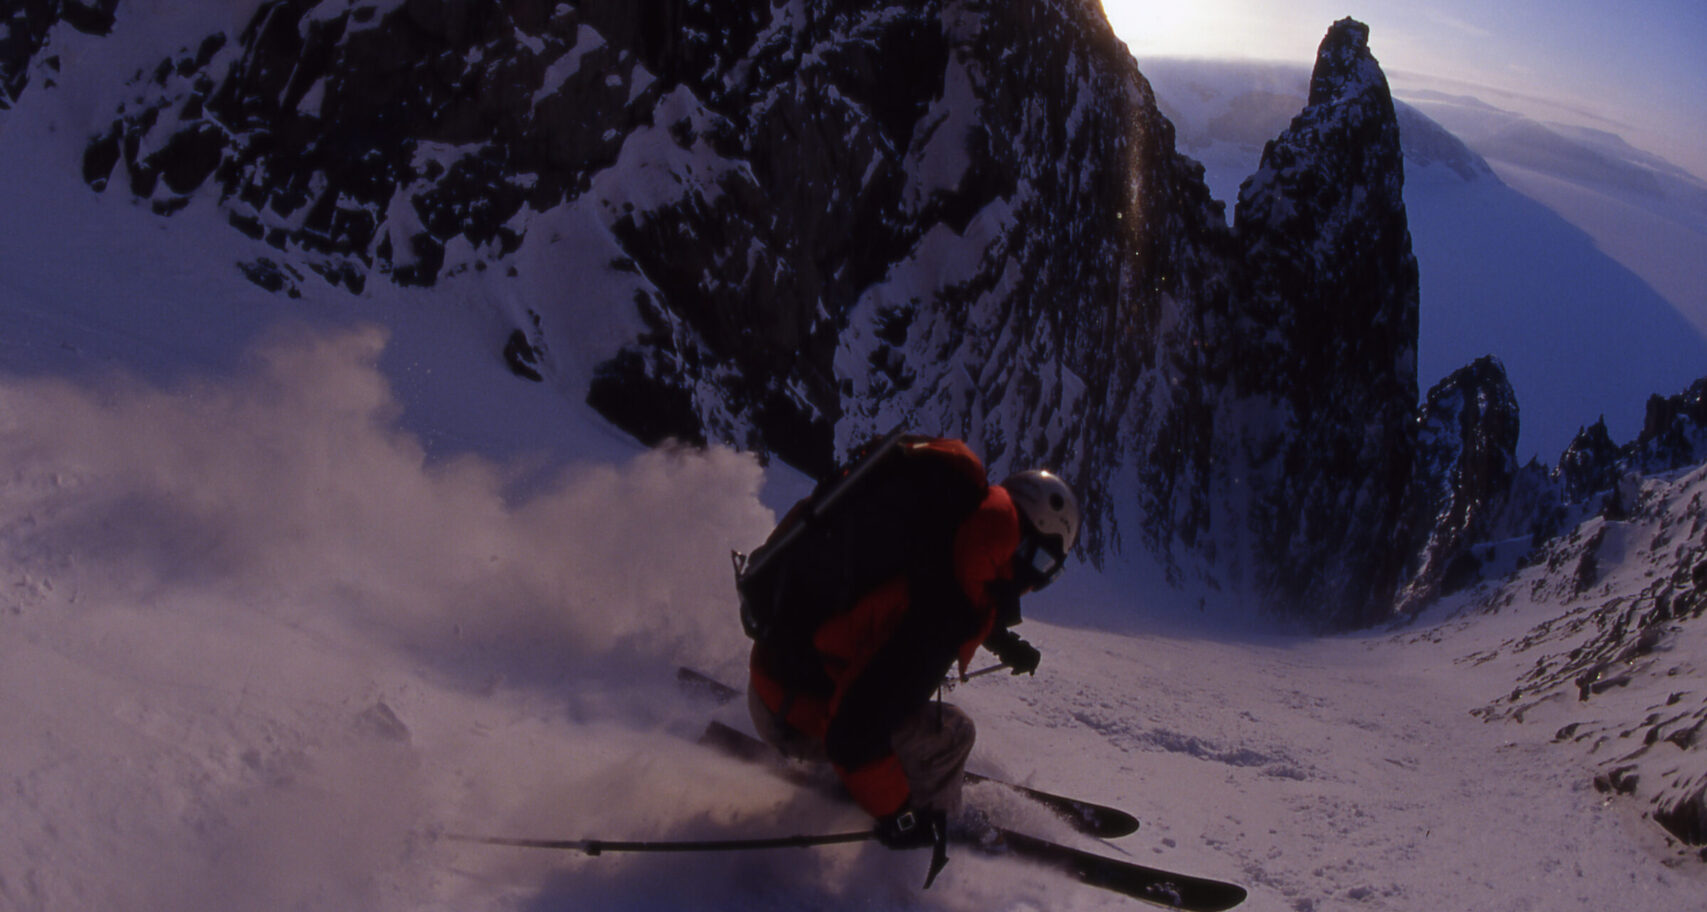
x=1635 y=69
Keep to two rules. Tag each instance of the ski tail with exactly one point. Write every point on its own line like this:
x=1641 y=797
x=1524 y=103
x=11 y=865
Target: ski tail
x=1152 y=885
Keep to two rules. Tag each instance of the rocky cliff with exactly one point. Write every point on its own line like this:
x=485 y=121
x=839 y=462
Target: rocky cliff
x=1326 y=331
x=1465 y=472
x=821 y=218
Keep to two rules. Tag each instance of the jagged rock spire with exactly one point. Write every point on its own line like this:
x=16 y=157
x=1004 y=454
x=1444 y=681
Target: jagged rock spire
x=1345 y=68
x=1330 y=298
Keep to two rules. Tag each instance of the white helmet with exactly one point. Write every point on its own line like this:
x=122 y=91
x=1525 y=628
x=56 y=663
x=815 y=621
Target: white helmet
x=1050 y=523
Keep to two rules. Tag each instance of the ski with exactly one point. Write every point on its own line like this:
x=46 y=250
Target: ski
x=1151 y=885
x=1090 y=819
x=1087 y=817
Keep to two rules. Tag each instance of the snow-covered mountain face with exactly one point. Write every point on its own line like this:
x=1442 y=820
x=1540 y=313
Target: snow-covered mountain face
x=790 y=226
x=822 y=219
x=770 y=175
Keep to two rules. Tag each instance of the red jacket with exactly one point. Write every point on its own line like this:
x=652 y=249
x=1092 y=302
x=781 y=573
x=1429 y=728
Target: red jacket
x=886 y=656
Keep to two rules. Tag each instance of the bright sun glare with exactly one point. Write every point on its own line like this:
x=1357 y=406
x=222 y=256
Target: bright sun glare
x=1159 y=24
x=1208 y=28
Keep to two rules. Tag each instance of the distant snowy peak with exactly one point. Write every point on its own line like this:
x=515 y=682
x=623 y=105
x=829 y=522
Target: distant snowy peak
x=1428 y=144
x=1574 y=154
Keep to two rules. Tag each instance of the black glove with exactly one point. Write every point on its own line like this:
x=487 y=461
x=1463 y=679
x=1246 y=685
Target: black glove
x=1014 y=652
x=910 y=829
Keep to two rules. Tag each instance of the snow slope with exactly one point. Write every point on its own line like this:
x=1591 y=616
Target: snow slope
x=262 y=649
x=292 y=585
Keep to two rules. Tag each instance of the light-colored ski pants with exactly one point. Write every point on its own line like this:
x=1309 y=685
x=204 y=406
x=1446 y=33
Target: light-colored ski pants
x=931 y=744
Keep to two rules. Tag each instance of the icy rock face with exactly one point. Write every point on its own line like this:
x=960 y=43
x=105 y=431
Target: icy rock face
x=370 y=139
x=315 y=118
x=1047 y=305
x=1470 y=501
x=1327 y=333
x=1613 y=674
x=967 y=215
x=24 y=30
x=1466 y=464
x=964 y=215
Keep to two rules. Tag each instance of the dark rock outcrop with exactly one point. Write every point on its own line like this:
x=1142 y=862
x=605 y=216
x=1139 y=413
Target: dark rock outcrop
x=1674 y=432
x=1468 y=497
x=1327 y=331
x=1590 y=464
x=1466 y=465
x=1673 y=437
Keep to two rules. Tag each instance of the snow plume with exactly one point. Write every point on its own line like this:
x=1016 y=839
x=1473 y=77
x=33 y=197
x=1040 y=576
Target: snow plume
x=255 y=644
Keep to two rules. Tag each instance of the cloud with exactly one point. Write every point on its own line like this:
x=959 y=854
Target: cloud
x=256 y=644
x=293 y=488
x=1456 y=24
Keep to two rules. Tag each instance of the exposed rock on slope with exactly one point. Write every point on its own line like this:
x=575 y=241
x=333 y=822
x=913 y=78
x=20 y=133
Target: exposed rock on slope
x=1614 y=673
x=1466 y=464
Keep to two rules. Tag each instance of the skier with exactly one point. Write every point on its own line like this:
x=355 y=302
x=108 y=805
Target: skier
x=857 y=691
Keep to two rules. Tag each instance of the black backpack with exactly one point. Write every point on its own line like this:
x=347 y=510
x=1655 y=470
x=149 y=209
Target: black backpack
x=893 y=508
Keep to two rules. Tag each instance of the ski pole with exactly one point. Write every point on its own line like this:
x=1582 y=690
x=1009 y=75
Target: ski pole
x=596 y=847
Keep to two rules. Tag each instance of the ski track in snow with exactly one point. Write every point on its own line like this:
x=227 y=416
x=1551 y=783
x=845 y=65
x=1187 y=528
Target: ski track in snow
x=1334 y=773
